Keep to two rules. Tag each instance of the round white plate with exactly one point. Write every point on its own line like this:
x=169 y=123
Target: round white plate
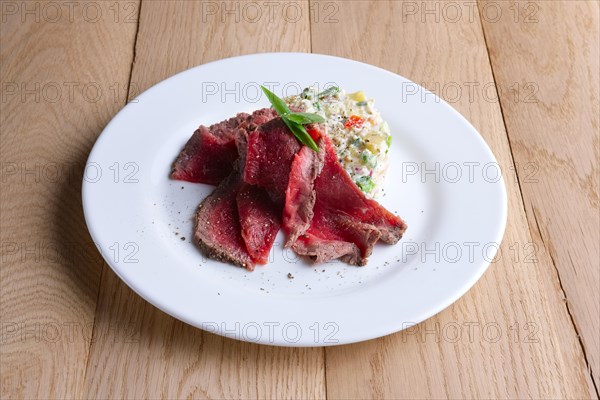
x=443 y=180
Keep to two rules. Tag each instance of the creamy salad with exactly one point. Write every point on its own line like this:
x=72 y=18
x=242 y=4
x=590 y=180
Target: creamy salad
x=361 y=137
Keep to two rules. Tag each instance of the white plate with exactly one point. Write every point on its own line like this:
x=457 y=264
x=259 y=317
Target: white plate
x=443 y=180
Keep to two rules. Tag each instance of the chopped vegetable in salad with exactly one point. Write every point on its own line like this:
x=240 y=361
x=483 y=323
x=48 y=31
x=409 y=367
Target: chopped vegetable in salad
x=361 y=137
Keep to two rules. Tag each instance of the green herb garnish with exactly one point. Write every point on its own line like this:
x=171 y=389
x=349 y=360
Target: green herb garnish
x=328 y=92
x=305 y=118
x=362 y=103
x=294 y=121
x=277 y=103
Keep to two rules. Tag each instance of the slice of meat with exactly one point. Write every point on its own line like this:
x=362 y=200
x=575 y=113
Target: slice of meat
x=324 y=213
x=332 y=235
x=346 y=224
x=258 y=118
x=300 y=194
x=270 y=151
x=275 y=160
x=209 y=155
x=337 y=192
x=260 y=221
x=218 y=231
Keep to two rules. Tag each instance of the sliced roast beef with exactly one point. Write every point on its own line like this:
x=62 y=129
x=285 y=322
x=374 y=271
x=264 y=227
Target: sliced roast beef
x=300 y=194
x=346 y=224
x=270 y=151
x=257 y=118
x=325 y=215
x=260 y=221
x=209 y=155
x=336 y=191
x=218 y=231
x=332 y=235
x=275 y=160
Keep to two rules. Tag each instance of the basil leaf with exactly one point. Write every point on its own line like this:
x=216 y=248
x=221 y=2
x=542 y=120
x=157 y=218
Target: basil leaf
x=276 y=102
x=300 y=132
x=284 y=112
x=305 y=118
x=328 y=92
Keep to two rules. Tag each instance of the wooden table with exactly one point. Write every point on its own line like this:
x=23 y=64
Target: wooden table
x=525 y=74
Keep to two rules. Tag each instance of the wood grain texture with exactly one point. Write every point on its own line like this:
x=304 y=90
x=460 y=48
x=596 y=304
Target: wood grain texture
x=549 y=50
x=71 y=329
x=534 y=351
x=140 y=351
x=57 y=71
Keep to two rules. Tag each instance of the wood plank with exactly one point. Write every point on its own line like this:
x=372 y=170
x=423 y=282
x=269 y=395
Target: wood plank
x=64 y=74
x=549 y=50
x=511 y=335
x=158 y=355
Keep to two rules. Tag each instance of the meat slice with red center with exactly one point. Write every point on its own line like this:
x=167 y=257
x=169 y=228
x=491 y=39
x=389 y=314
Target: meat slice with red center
x=270 y=151
x=259 y=220
x=300 y=194
x=277 y=181
x=346 y=224
x=218 y=231
x=209 y=155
